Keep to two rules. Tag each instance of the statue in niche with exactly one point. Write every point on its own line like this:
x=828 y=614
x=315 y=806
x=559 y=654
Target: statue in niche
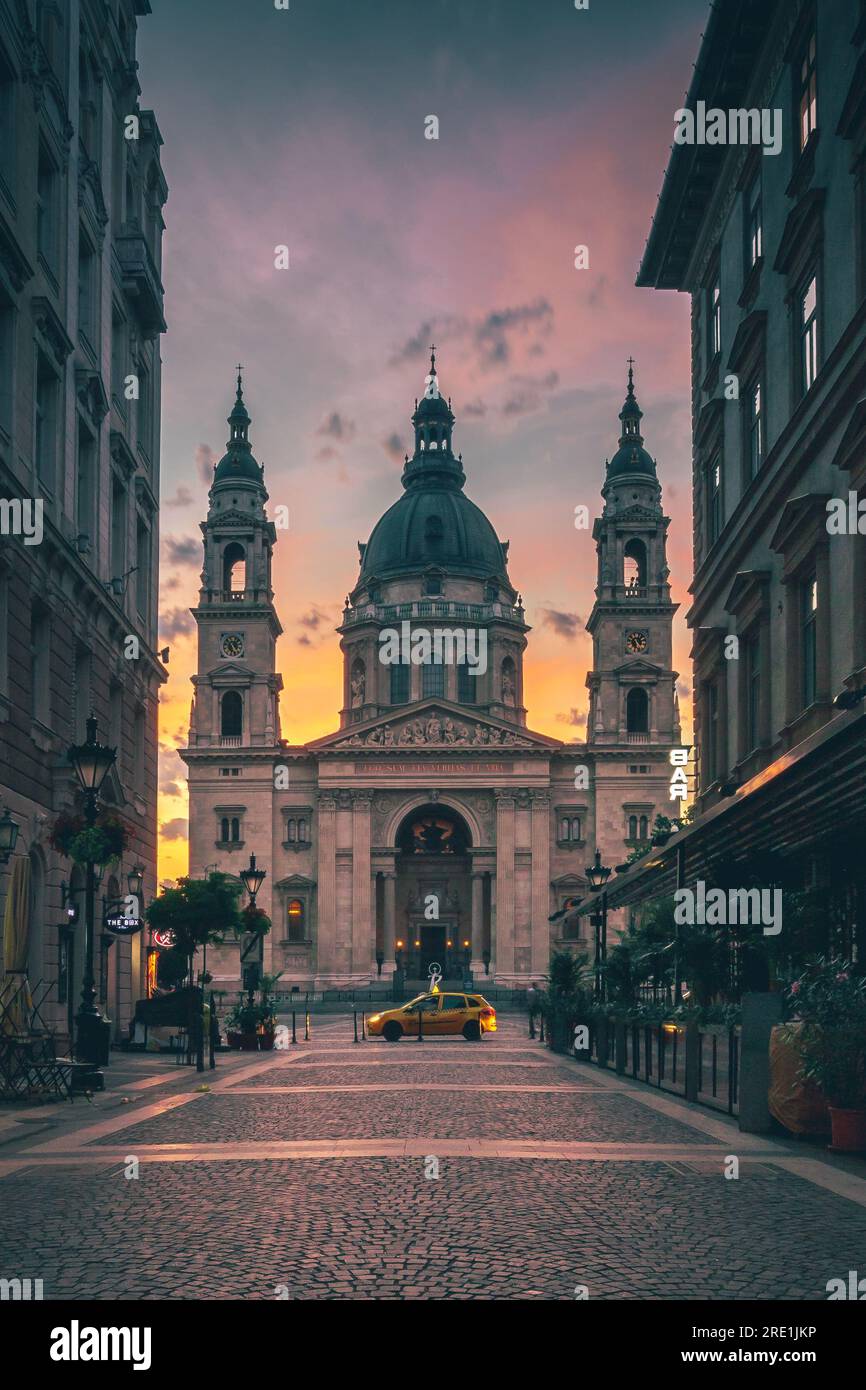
x=507 y=687
x=359 y=686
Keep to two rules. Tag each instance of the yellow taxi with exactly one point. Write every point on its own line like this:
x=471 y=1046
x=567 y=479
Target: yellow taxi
x=436 y=1014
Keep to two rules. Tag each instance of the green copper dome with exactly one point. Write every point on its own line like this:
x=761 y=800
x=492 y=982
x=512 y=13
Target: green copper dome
x=631 y=457
x=434 y=523
x=238 y=461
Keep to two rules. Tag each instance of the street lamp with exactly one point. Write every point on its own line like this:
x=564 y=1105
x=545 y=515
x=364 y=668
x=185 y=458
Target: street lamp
x=8 y=836
x=597 y=875
x=135 y=881
x=92 y=762
x=252 y=879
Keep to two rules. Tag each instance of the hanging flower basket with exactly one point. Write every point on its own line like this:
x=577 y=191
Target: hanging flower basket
x=99 y=844
x=253 y=919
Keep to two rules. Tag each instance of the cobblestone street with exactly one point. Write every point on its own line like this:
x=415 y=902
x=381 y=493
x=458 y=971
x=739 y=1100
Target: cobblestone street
x=312 y=1173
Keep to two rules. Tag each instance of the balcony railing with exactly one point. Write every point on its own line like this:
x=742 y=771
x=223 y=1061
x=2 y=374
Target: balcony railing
x=237 y=595
x=432 y=608
x=230 y=740
x=637 y=738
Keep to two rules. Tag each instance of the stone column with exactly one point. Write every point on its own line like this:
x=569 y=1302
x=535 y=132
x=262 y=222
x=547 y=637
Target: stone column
x=476 y=964
x=540 y=927
x=505 y=832
x=326 y=923
x=363 y=937
x=390 y=925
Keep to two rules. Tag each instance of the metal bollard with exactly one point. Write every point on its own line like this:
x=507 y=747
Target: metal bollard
x=306 y=1027
x=363 y=1026
x=294 y=1033
x=355 y=1023
x=541 y=1030
x=420 y=1026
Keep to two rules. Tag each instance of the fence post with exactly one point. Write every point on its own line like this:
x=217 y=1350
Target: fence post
x=355 y=1024
x=294 y=1034
x=420 y=1024
x=620 y=1049
x=693 y=1059
x=363 y=1026
x=306 y=1027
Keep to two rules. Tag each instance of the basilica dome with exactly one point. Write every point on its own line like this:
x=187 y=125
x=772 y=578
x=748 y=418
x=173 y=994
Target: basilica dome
x=237 y=461
x=434 y=523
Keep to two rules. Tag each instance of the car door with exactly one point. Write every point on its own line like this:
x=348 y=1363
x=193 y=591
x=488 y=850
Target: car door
x=452 y=1015
x=429 y=1007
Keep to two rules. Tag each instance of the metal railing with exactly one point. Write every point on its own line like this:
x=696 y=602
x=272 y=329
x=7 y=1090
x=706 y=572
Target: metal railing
x=700 y=1065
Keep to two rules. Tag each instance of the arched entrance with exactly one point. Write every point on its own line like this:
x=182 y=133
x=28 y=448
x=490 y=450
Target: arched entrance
x=434 y=892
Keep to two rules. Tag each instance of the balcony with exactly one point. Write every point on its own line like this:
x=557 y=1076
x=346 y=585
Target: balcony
x=229 y=740
x=432 y=608
x=141 y=280
x=637 y=738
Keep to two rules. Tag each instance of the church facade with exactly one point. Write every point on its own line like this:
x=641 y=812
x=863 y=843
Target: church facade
x=434 y=825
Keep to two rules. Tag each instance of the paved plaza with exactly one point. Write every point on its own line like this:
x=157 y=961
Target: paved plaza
x=434 y=1170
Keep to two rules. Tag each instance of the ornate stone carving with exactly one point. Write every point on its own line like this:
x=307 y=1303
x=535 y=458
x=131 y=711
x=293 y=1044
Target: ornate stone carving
x=434 y=732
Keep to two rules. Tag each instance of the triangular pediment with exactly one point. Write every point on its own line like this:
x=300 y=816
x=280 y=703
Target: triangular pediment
x=234 y=670
x=630 y=670
x=434 y=724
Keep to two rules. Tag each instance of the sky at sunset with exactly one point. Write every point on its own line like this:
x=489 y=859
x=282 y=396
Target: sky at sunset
x=306 y=127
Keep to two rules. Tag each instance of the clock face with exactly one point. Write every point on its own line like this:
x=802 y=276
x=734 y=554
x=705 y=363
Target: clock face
x=232 y=644
x=636 y=642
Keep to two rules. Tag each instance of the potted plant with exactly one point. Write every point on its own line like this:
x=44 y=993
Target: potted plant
x=99 y=843
x=267 y=1018
x=565 y=1001
x=829 y=1004
x=242 y=1024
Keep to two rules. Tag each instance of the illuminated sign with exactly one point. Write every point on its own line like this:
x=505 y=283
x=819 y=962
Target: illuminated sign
x=120 y=925
x=162 y=940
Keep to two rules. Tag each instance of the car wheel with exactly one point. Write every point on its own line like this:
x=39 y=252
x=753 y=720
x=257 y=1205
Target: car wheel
x=392 y=1032
x=471 y=1031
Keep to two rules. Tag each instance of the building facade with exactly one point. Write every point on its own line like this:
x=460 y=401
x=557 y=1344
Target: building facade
x=81 y=197
x=433 y=825
x=772 y=250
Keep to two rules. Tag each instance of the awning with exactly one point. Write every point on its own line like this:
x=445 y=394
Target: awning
x=814 y=791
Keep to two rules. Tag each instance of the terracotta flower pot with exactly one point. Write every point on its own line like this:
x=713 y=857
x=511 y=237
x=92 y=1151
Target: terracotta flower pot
x=249 y=1042
x=234 y=1040
x=848 y=1130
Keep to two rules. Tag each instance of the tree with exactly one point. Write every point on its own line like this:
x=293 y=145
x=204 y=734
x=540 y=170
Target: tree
x=198 y=912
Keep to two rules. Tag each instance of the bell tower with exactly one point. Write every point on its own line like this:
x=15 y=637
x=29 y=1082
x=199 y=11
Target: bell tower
x=236 y=688
x=632 y=686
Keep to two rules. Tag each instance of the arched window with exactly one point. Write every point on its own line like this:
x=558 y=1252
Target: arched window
x=302 y=832
x=291 y=831
x=433 y=678
x=467 y=684
x=295 y=915
x=236 y=829
x=637 y=711
x=575 y=828
x=564 y=829
x=634 y=565
x=234 y=568
x=224 y=829
x=231 y=714
x=643 y=827
x=632 y=827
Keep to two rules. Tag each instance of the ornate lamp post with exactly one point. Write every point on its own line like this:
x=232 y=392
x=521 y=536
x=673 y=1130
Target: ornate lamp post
x=92 y=762
x=8 y=836
x=252 y=878
x=597 y=875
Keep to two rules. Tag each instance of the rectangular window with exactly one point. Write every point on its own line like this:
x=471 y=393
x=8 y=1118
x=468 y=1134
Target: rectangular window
x=47 y=204
x=86 y=486
x=142 y=575
x=711 y=732
x=82 y=694
x=40 y=666
x=45 y=425
x=7 y=124
x=433 y=679
x=115 y=719
x=714 y=309
x=752 y=668
x=754 y=223
x=118 y=359
x=467 y=684
x=755 y=417
x=7 y=361
x=808 y=634
x=714 y=501
x=139 y=779
x=399 y=685
x=809 y=334
x=145 y=410
x=87 y=293
x=118 y=531
x=808 y=92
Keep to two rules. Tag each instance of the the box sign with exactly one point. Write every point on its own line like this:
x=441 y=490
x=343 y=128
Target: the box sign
x=122 y=926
